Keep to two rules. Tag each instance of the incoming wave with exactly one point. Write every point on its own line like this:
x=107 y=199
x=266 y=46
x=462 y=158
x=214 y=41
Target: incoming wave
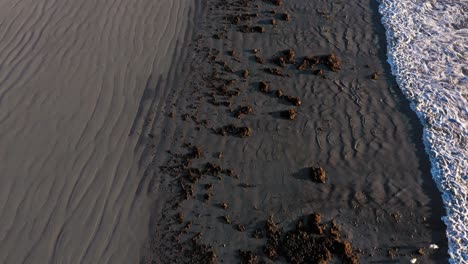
x=427 y=51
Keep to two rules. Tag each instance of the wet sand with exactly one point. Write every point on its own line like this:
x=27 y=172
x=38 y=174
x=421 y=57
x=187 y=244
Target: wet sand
x=216 y=176
x=72 y=81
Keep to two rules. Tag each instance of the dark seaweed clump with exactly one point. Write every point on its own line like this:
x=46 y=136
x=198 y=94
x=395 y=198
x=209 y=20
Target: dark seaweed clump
x=310 y=242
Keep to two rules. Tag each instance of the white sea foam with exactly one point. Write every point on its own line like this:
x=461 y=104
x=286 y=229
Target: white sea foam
x=427 y=49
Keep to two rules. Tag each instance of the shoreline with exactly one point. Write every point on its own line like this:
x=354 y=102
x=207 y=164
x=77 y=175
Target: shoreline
x=349 y=123
x=443 y=135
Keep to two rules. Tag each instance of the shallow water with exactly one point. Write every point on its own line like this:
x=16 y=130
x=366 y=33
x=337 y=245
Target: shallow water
x=427 y=51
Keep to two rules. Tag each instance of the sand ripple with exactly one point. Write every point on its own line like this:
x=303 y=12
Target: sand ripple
x=72 y=77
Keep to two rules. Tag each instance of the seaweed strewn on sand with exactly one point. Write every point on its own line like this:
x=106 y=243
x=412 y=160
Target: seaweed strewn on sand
x=298 y=119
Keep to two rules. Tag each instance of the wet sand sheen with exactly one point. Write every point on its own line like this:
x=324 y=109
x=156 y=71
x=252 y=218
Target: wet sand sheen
x=356 y=125
x=72 y=79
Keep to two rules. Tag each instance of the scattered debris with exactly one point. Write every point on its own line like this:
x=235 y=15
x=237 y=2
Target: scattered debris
x=180 y=218
x=274 y=233
x=251 y=29
x=212 y=169
x=315 y=224
x=290 y=56
x=285 y=17
x=281 y=61
x=293 y=100
x=289 y=114
x=233 y=53
x=224 y=91
x=237 y=19
x=187 y=227
x=393 y=253
x=331 y=61
x=396 y=216
x=375 y=76
x=245 y=73
x=195 y=153
x=243 y=110
x=229 y=82
x=311 y=241
x=248 y=257
x=318 y=175
x=180 y=169
x=319 y=72
x=264 y=87
x=201 y=254
x=303 y=66
x=185 y=117
x=274 y=71
x=230 y=173
x=233 y=130
x=226 y=219
x=258 y=59
x=304 y=245
x=279 y=93
x=207 y=196
x=308 y=62
x=245 y=185
x=258 y=234
x=240 y=228
x=276 y=2
x=287 y=57
x=193 y=174
x=225 y=66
